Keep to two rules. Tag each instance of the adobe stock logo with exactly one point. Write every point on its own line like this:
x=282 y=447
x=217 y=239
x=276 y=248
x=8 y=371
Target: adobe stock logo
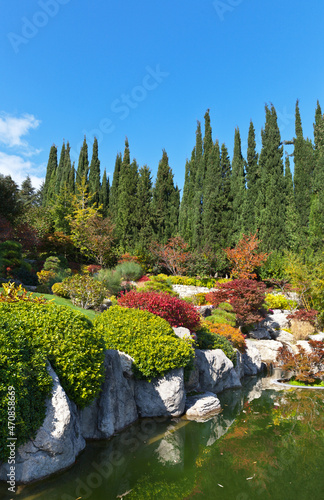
x=40 y=19
x=224 y=6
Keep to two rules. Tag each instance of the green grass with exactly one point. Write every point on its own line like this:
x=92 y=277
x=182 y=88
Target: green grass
x=295 y=382
x=90 y=313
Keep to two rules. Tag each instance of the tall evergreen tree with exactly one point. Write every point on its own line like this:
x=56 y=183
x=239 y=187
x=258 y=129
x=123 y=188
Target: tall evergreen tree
x=197 y=204
x=49 y=183
x=165 y=203
x=316 y=220
x=94 y=174
x=208 y=140
x=126 y=206
x=303 y=158
x=83 y=165
x=212 y=199
x=292 y=222
x=143 y=216
x=60 y=171
x=187 y=202
x=27 y=193
x=113 y=195
x=272 y=216
x=238 y=188
x=225 y=202
x=252 y=183
x=104 y=194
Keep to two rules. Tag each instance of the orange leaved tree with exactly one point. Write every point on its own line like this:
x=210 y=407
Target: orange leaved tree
x=244 y=257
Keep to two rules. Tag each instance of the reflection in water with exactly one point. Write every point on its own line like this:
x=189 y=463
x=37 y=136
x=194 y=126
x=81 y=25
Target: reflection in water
x=266 y=443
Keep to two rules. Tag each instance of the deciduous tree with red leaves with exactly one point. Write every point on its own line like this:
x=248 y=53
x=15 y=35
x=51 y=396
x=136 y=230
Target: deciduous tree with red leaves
x=244 y=257
x=174 y=256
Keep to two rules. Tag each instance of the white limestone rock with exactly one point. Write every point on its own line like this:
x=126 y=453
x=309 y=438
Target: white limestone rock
x=164 y=396
x=216 y=371
x=57 y=442
x=202 y=405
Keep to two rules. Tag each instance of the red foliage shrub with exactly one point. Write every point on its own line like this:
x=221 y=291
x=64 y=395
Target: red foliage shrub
x=306 y=367
x=234 y=335
x=304 y=315
x=176 y=311
x=127 y=257
x=246 y=297
x=93 y=268
x=143 y=279
x=244 y=257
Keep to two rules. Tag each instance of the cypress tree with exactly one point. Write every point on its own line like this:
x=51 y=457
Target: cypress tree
x=252 y=183
x=104 y=194
x=83 y=165
x=60 y=171
x=50 y=175
x=225 y=202
x=238 y=188
x=316 y=219
x=143 y=217
x=184 y=224
x=272 y=216
x=113 y=195
x=303 y=158
x=165 y=203
x=292 y=223
x=208 y=140
x=94 y=174
x=126 y=206
x=212 y=199
x=197 y=205
x=68 y=170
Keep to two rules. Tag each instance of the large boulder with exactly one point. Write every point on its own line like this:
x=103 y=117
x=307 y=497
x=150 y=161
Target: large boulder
x=216 y=371
x=115 y=407
x=202 y=406
x=56 y=444
x=164 y=396
x=252 y=361
x=268 y=349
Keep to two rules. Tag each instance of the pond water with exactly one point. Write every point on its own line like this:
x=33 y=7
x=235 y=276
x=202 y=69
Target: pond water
x=266 y=443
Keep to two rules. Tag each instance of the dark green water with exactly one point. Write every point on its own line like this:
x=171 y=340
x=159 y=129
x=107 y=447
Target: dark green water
x=265 y=444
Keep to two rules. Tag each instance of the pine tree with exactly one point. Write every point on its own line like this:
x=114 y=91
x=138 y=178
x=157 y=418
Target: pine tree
x=104 y=194
x=165 y=203
x=83 y=165
x=212 y=199
x=252 y=181
x=238 y=188
x=303 y=158
x=271 y=220
x=27 y=193
x=48 y=191
x=94 y=173
x=113 y=195
x=292 y=222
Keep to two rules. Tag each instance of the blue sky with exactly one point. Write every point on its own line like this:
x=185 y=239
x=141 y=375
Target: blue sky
x=148 y=70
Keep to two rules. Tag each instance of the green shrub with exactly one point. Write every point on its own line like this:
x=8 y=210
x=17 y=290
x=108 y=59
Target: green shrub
x=149 y=339
x=10 y=256
x=23 y=368
x=67 y=339
x=222 y=315
x=111 y=280
x=130 y=271
x=85 y=291
x=158 y=284
x=208 y=340
x=225 y=306
x=279 y=301
x=60 y=290
x=199 y=299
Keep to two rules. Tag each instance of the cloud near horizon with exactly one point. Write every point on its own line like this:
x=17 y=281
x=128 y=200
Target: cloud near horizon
x=12 y=131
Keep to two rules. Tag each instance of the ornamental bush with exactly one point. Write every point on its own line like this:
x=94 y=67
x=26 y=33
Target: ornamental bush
x=206 y=339
x=111 y=280
x=246 y=296
x=67 y=339
x=234 y=335
x=222 y=316
x=158 y=284
x=130 y=271
x=23 y=370
x=279 y=301
x=176 y=311
x=189 y=281
x=85 y=291
x=149 y=339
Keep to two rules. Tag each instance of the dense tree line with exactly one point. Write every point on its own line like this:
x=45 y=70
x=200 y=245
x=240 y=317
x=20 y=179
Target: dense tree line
x=221 y=199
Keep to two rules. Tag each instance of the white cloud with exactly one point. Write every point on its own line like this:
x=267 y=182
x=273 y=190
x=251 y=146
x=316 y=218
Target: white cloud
x=12 y=129
x=18 y=168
